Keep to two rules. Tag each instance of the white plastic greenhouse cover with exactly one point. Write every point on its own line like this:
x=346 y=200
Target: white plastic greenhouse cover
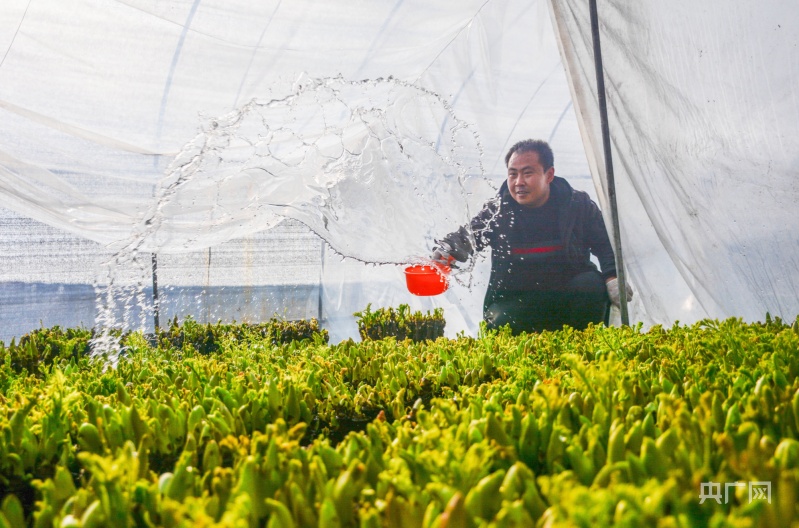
x=193 y=129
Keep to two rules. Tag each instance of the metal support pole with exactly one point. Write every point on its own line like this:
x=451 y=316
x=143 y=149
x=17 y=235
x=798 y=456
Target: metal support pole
x=321 y=282
x=207 y=289
x=603 y=114
x=155 y=293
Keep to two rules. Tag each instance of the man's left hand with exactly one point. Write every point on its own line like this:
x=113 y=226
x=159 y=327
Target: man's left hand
x=613 y=291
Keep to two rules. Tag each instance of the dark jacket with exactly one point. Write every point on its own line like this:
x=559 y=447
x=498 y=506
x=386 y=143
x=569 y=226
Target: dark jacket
x=581 y=231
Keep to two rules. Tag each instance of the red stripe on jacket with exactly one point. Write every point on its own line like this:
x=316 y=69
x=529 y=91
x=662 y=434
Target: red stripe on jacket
x=542 y=249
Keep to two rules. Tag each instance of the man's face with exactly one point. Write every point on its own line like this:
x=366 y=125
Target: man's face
x=528 y=182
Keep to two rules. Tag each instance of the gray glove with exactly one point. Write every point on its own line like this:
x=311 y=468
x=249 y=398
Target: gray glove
x=442 y=257
x=613 y=291
x=455 y=246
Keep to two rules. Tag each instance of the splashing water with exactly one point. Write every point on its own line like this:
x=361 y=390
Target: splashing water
x=377 y=168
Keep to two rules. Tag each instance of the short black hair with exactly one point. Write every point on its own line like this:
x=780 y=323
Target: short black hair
x=543 y=149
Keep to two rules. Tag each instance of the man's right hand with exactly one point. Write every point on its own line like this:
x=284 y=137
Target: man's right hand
x=454 y=247
x=442 y=257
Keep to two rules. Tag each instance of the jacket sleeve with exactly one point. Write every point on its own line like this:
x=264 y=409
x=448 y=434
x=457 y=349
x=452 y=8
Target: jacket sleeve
x=598 y=241
x=471 y=239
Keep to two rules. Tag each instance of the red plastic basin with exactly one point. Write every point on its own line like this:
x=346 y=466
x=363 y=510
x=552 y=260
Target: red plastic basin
x=427 y=280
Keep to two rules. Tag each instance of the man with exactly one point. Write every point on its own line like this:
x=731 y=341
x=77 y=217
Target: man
x=541 y=232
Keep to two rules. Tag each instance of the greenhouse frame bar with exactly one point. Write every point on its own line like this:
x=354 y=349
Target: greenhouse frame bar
x=614 y=210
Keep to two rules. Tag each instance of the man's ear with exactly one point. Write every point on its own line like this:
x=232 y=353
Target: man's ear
x=550 y=174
